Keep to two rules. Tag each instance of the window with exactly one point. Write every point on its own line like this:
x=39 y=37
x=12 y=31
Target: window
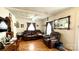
x=49 y=29
x=31 y=27
x=3 y=25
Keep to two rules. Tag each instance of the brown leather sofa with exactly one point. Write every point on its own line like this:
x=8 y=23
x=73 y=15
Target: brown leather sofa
x=52 y=39
x=31 y=35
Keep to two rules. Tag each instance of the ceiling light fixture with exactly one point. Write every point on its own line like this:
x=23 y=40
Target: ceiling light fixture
x=34 y=18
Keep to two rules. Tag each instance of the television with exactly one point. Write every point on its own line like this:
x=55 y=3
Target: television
x=3 y=25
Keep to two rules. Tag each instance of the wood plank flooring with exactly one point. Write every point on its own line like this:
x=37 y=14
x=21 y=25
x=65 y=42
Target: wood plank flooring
x=34 y=45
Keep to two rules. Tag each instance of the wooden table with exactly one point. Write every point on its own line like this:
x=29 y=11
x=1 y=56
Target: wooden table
x=13 y=46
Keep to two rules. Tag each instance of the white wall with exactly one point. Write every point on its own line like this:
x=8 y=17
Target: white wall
x=77 y=30
x=24 y=21
x=40 y=24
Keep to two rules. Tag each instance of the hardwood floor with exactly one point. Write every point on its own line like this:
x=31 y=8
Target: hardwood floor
x=34 y=45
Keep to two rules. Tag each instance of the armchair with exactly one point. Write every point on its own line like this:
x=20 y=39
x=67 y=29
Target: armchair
x=51 y=40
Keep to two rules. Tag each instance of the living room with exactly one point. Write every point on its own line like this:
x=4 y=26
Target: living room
x=20 y=17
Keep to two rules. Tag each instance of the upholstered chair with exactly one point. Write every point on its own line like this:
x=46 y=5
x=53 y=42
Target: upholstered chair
x=51 y=40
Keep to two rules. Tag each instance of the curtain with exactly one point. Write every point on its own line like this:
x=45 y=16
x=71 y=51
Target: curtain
x=8 y=23
x=34 y=24
x=52 y=25
x=28 y=24
x=31 y=26
x=46 y=27
x=49 y=28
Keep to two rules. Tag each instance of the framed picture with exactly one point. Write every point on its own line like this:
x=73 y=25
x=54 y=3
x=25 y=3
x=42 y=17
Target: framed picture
x=22 y=25
x=62 y=23
x=16 y=24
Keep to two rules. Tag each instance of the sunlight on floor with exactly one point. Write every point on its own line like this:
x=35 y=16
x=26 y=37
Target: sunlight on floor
x=31 y=47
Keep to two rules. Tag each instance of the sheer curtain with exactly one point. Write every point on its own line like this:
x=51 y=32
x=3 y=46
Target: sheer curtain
x=31 y=27
x=49 y=28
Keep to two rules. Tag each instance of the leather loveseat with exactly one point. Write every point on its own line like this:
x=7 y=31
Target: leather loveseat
x=31 y=35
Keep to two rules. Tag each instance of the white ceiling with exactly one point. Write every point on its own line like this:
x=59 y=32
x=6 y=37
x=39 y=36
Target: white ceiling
x=46 y=10
x=38 y=12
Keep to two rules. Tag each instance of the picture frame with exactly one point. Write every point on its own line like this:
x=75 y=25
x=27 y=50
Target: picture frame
x=62 y=23
x=16 y=24
x=22 y=25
